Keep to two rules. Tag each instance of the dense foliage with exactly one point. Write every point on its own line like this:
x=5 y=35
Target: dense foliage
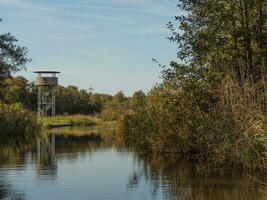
x=17 y=124
x=12 y=58
x=213 y=99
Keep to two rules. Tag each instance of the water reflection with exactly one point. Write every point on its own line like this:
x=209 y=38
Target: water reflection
x=45 y=164
x=95 y=166
x=183 y=179
x=7 y=192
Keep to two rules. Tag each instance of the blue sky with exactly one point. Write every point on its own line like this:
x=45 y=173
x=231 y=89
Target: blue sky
x=104 y=44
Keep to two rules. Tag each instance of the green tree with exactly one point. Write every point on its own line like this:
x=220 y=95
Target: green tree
x=12 y=58
x=119 y=97
x=17 y=90
x=228 y=36
x=137 y=101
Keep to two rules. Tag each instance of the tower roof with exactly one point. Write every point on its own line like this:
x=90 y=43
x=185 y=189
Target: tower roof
x=47 y=72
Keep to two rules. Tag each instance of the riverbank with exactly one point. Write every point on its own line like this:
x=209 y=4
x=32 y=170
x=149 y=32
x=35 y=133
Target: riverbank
x=242 y=142
x=71 y=120
x=20 y=125
x=80 y=131
x=78 y=125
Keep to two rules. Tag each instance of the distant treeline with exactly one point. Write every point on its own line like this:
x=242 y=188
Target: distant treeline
x=69 y=100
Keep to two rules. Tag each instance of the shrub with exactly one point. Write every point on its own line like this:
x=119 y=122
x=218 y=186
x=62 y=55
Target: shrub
x=17 y=124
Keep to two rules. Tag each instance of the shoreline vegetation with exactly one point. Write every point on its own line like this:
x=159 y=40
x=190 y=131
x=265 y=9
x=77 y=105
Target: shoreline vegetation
x=72 y=120
x=77 y=125
x=212 y=101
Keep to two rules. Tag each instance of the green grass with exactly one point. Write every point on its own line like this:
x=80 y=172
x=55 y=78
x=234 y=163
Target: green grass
x=73 y=120
x=80 y=131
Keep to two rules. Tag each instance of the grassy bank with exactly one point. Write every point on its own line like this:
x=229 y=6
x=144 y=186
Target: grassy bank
x=17 y=124
x=83 y=130
x=74 y=120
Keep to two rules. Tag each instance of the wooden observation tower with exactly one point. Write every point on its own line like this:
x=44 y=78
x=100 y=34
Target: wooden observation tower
x=46 y=82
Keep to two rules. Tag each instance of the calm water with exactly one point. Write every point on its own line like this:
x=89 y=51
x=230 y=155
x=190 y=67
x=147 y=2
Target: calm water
x=82 y=168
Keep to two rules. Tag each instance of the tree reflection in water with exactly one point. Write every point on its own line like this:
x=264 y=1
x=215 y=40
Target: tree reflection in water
x=45 y=161
x=12 y=157
x=178 y=178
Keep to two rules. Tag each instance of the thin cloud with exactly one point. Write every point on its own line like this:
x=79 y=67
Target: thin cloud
x=155 y=6
x=169 y=2
x=160 y=12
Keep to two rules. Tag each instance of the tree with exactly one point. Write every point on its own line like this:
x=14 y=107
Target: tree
x=17 y=90
x=225 y=35
x=137 y=101
x=119 y=97
x=12 y=58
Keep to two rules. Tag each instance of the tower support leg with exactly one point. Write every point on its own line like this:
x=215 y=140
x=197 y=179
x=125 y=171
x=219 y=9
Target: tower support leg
x=39 y=103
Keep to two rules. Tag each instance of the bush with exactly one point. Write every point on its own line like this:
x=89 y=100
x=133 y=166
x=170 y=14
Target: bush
x=17 y=124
